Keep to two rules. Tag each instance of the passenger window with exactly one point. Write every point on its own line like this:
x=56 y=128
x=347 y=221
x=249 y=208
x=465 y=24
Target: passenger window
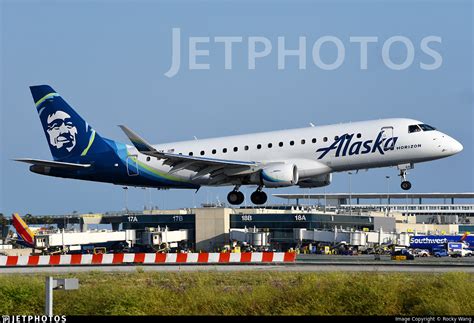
x=246 y=147
x=148 y=159
x=336 y=138
x=191 y=153
x=314 y=140
x=224 y=150
x=292 y=143
x=413 y=128
x=214 y=151
x=280 y=144
x=359 y=135
x=259 y=146
x=235 y=148
x=270 y=145
x=202 y=152
x=325 y=139
x=303 y=141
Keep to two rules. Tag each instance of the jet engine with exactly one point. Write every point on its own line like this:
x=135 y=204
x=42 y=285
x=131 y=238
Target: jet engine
x=316 y=181
x=279 y=175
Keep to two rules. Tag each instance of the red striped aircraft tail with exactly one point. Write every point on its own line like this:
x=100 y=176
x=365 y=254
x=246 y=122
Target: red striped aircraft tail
x=23 y=230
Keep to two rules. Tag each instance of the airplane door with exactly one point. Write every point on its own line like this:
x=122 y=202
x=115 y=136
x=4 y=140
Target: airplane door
x=132 y=165
x=387 y=132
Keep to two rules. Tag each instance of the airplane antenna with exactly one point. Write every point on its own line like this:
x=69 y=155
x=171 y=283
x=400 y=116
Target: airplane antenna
x=311 y=124
x=195 y=138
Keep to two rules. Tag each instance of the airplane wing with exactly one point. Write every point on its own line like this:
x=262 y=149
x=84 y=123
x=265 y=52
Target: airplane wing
x=219 y=169
x=50 y=163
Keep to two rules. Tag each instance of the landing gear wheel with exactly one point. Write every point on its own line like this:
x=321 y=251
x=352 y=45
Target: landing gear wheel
x=235 y=197
x=241 y=197
x=406 y=185
x=258 y=197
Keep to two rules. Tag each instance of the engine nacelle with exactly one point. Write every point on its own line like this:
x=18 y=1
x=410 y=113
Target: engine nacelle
x=279 y=175
x=316 y=181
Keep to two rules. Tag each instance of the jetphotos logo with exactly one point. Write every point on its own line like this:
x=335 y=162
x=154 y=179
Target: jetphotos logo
x=344 y=146
x=307 y=51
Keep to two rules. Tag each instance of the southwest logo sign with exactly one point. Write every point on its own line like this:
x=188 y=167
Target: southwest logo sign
x=345 y=146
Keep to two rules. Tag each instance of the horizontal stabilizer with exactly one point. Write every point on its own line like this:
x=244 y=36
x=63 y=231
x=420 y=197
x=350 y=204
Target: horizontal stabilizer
x=55 y=164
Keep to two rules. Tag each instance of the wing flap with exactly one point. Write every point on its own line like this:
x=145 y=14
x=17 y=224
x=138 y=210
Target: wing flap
x=180 y=162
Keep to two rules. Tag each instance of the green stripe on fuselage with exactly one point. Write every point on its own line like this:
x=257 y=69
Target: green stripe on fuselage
x=158 y=173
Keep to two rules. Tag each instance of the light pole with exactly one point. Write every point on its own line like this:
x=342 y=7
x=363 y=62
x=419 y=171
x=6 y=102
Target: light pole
x=388 y=194
x=325 y=200
x=126 y=198
x=147 y=204
x=350 y=193
x=388 y=189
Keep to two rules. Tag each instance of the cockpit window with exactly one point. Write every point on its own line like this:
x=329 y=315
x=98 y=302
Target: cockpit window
x=413 y=128
x=420 y=127
x=426 y=127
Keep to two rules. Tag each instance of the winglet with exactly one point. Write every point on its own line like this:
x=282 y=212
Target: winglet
x=139 y=143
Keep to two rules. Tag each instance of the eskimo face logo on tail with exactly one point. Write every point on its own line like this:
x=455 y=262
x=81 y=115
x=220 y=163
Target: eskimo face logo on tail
x=61 y=131
x=345 y=146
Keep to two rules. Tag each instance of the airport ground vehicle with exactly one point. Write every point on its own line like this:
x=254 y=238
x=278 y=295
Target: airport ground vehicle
x=459 y=249
x=430 y=242
x=440 y=252
x=403 y=254
x=421 y=253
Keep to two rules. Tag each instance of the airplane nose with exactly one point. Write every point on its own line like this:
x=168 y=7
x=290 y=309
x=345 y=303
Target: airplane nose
x=456 y=146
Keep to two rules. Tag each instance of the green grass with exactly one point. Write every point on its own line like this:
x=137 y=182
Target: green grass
x=245 y=293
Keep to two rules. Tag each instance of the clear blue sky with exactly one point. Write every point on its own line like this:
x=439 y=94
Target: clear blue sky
x=108 y=60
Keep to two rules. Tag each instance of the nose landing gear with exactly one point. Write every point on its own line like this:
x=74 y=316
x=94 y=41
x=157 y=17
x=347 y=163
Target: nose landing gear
x=405 y=185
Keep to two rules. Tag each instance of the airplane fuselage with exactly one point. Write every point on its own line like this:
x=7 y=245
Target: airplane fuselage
x=314 y=150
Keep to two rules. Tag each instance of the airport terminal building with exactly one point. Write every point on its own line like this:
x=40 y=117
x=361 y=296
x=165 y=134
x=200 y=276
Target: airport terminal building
x=210 y=227
x=281 y=227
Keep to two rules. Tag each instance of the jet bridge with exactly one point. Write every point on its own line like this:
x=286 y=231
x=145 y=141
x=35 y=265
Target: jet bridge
x=353 y=238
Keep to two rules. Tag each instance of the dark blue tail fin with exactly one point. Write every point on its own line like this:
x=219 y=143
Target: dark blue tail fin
x=70 y=138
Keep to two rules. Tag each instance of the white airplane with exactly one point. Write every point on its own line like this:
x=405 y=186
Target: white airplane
x=305 y=157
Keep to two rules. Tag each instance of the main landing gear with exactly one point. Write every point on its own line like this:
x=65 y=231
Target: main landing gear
x=406 y=185
x=258 y=197
x=236 y=197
